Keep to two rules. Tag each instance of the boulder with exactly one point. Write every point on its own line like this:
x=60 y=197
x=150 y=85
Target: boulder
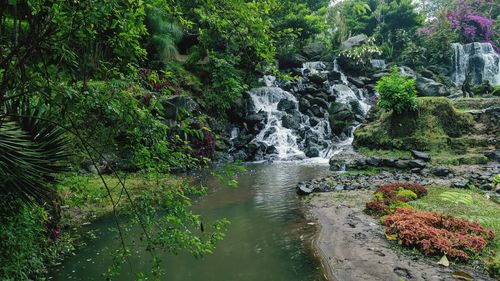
x=356 y=82
x=291 y=121
x=312 y=152
x=429 y=88
x=337 y=164
x=319 y=102
x=334 y=75
x=402 y=164
x=441 y=171
x=304 y=105
x=421 y=155
x=373 y=161
x=303 y=189
x=313 y=51
x=420 y=164
x=175 y=105
x=290 y=61
x=318 y=78
x=286 y=105
x=341 y=117
x=353 y=42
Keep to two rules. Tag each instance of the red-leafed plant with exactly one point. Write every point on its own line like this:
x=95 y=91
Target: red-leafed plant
x=389 y=197
x=390 y=190
x=435 y=234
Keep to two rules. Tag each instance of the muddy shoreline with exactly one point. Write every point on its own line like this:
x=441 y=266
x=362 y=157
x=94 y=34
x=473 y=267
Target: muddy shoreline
x=351 y=245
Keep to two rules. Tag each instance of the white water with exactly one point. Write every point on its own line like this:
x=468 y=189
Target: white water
x=266 y=99
x=289 y=145
x=477 y=59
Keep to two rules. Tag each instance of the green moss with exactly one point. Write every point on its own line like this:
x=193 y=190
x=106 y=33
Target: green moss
x=432 y=128
x=398 y=204
x=410 y=195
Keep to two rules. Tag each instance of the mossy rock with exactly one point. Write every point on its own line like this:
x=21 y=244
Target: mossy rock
x=433 y=126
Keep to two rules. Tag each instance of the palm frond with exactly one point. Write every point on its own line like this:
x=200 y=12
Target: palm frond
x=32 y=151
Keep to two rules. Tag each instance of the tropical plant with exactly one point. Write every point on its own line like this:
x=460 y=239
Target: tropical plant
x=398 y=93
x=32 y=151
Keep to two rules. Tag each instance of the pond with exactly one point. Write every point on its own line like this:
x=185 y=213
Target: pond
x=266 y=240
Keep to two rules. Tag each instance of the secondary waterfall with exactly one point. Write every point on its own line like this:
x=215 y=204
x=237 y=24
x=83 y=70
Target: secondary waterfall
x=292 y=120
x=479 y=60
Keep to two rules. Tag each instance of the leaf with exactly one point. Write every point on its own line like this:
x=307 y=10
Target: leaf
x=391 y=237
x=462 y=275
x=444 y=261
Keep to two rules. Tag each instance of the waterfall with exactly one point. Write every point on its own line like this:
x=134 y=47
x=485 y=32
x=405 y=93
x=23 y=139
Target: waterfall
x=290 y=120
x=274 y=134
x=479 y=60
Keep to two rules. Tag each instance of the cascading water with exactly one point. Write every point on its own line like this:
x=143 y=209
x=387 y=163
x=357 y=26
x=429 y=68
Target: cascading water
x=479 y=60
x=284 y=140
x=291 y=120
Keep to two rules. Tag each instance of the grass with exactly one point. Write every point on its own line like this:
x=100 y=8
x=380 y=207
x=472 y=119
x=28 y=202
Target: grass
x=442 y=157
x=480 y=208
x=85 y=198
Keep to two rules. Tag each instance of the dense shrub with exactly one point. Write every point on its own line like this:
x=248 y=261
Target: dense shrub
x=23 y=239
x=435 y=234
x=397 y=92
x=388 y=198
x=392 y=189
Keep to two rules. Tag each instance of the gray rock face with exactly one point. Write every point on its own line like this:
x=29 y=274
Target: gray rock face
x=260 y=117
x=429 y=88
x=417 y=164
x=313 y=51
x=286 y=105
x=441 y=171
x=175 y=105
x=291 y=121
x=421 y=155
x=354 y=42
x=303 y=189
x=318 y=78
x=312 y=152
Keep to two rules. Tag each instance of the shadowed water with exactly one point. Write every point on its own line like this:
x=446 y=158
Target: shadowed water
x=265 y=240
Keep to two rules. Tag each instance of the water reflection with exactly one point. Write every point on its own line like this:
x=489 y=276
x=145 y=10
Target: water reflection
x=262 y=243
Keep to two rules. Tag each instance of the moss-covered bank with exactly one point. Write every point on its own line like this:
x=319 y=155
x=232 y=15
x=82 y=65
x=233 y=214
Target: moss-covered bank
x=454 y=136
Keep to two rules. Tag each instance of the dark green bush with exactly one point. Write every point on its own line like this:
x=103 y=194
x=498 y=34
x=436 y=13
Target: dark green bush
x=23 y=239
x=397 y=92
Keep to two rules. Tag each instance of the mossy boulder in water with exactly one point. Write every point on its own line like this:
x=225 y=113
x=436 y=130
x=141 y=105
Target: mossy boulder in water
x=435 y=125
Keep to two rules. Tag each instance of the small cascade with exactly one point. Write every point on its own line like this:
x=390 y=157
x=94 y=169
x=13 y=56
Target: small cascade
x=342 y=75
x=274 y=134
x=291 y=120
x=479 y=60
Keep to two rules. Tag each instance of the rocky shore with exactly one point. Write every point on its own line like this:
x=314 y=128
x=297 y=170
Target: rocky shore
x=352 y=247
x=351 y=244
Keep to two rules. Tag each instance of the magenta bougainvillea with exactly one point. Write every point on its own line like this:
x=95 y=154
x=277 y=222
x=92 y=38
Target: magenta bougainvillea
x=472 y=26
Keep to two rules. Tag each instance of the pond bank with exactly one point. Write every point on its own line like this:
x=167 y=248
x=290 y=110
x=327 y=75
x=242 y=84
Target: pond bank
x=352 y=246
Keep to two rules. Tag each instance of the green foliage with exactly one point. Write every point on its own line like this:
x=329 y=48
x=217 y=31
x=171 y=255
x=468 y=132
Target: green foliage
x=226 y=82
x=23 y=244
x=436 y=127
x=387 y=21
x=408 y=194
x=363 y=54
x=397 y=92
x=164 y=32
x=32 y=150
x=456 y=197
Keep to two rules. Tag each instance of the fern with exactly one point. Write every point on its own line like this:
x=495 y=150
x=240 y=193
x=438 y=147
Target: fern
x=456 y=198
